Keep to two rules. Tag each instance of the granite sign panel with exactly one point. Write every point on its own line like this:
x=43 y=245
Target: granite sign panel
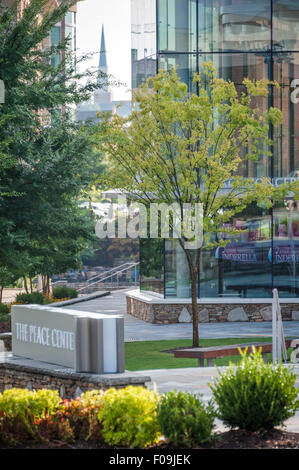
x=83 y=341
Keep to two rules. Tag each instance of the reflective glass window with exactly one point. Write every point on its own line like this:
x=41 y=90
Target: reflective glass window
x=70 y=18
x=177 y=278
x=152 y=265
x=285 y=256
x=234 y=25
x=143 y=39
x=55 y=40
x=286 y=25
x=286 y=98
x=235 y=67
x=185 y=65
x=177 y=25
x=242 y=268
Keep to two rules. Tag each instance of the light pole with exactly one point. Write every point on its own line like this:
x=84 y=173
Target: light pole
x=2 y=92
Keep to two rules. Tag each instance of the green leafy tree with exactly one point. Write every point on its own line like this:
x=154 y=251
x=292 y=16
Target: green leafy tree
x=47 y=161
x=181 y=148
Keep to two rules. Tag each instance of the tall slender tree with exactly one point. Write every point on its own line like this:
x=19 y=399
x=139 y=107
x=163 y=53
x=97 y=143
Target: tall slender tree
x=182 y=148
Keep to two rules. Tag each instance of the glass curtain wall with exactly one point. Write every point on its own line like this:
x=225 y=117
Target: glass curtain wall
x=256 y=39
x=143 y=34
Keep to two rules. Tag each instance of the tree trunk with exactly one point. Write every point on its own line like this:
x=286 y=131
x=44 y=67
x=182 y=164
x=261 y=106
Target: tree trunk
x=1 y=293
x=46 y=284
x=31 y=286
x=195 y=340
x=25 y=285
x=193 y=273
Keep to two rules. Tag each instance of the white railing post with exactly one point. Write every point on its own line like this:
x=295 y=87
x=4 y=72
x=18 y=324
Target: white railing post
x=278 y=339
x=274 y=330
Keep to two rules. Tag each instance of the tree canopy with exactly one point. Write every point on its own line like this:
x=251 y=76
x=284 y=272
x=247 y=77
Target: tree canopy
x=182 y=148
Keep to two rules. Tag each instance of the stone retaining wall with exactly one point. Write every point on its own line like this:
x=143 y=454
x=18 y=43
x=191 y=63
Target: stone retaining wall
x=68 y=383
x=208 y=313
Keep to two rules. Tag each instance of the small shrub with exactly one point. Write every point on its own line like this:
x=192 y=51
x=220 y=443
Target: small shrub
x=4 y=310
x=64 y=292
x=21 y=409
x=33 y=298
x=129 y=417
x=184 y=419
x=255 y=396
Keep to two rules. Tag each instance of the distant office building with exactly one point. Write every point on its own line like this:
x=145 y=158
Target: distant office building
x=143 y=49
x=66 y=27
x=103 y=97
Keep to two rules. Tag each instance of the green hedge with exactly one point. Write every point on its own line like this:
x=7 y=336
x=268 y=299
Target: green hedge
x=33 y=298
x=64 y=292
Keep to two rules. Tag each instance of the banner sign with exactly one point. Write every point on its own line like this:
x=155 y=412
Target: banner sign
x=241 y=254
x=253 y=253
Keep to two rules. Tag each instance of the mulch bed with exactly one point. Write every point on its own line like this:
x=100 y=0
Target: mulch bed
x=5 y=326
x=274 y=439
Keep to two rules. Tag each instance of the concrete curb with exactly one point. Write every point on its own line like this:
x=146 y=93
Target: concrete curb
x=77 y=300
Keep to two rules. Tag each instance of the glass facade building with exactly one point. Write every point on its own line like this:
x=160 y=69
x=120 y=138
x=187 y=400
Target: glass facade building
x=243 y=38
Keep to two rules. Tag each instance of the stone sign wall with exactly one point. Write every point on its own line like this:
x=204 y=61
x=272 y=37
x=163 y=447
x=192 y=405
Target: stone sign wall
x=83 y=341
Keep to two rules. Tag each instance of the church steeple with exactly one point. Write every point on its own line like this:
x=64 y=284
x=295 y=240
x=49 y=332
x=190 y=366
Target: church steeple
x=103 y=67
x=103 y=95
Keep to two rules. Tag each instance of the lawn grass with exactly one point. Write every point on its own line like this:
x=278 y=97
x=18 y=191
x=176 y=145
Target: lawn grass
x=146 y=355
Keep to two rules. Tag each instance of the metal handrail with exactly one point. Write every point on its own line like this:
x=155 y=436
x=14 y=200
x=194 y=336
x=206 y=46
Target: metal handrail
x=110 y=276
x=108 y=271
x=100 y=275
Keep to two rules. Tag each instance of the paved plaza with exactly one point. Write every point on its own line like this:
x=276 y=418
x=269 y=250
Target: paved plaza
x=138 y=330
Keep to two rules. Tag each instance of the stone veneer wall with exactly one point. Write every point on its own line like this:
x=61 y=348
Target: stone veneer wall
x=208 y=313
x=69 y=385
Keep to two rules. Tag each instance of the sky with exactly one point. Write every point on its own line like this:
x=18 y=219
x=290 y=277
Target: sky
x=115 y=15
